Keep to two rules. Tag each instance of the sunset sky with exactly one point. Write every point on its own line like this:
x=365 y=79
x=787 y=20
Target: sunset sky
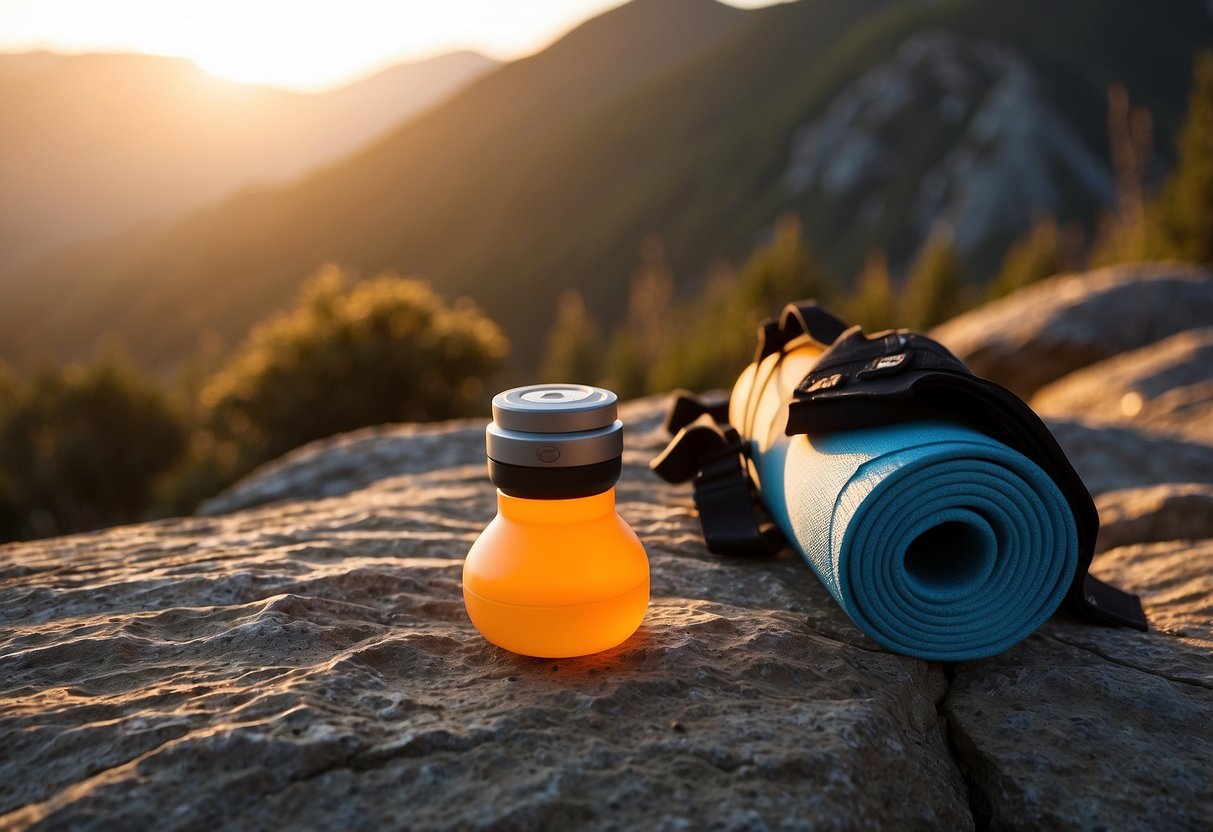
x=298 y=44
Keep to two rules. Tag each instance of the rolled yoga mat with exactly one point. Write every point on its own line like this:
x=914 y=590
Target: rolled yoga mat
x=936 y=540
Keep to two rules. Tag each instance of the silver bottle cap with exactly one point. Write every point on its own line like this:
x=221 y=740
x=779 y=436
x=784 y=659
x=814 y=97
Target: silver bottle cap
x=554 y=426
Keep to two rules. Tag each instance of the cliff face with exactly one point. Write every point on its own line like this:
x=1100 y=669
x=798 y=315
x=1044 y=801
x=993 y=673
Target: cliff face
x=301 y=658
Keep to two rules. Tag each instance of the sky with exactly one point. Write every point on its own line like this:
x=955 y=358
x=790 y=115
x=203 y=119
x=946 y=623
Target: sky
x=306 y=45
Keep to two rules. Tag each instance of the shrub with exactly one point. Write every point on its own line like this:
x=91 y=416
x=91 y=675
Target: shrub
x=382 y=350
x=82 y=447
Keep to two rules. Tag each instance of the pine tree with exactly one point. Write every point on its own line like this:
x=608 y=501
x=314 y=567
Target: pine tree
x=575 y=350
x=1122 y=232
x=872 y=304
x=781 y=272
x=932 y=292
x=1181 y=221
x=1044 y=250
x=641 y=341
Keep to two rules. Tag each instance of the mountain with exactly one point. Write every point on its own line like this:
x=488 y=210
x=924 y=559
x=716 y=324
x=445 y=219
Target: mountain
x=92 y=143
x=684 y=118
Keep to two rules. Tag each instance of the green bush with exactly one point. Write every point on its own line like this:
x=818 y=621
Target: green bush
x=382 y=350
x=82 y=447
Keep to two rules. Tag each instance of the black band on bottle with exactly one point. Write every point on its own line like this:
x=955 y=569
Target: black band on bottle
x=534 y=483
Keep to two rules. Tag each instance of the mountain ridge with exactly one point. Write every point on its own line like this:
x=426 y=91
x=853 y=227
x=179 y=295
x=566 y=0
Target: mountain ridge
x=509 y=194
x=72 y=168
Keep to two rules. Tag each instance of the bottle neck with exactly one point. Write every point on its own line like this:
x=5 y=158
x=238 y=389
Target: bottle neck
x=577 y=510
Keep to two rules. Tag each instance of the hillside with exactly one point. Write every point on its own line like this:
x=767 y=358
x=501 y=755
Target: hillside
x=679 y=117
x=92 y=143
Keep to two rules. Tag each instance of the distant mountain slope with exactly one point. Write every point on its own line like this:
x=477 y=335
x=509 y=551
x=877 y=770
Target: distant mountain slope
x=679 y=117
x=91 y=143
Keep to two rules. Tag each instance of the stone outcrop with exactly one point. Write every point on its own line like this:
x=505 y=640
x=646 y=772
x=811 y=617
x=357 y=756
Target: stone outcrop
x=1166 y=387
x=1059 y=325
x=309 y=663
x=1171 y=511
x=1116 y=458
x=300 y=658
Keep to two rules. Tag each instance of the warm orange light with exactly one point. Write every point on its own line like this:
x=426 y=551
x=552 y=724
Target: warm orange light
x=556 y=578
x=306 y=45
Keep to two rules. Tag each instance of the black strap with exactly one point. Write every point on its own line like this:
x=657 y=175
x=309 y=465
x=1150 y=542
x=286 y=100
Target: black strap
x=796 y=319
x=729 y=510
x=687 y=407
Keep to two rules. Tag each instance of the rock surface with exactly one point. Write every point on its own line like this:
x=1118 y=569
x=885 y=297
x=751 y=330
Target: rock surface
x=1172 y=511
x=309 y=664
x=1116 y=458
x=1165 y=387
x=1054 y=327
x=301 y=658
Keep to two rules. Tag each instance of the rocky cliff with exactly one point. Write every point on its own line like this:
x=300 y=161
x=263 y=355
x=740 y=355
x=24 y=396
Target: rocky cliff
x=300 y=657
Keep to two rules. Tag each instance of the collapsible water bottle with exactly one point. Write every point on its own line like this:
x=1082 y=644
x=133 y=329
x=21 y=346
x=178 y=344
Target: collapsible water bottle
x=557 y=572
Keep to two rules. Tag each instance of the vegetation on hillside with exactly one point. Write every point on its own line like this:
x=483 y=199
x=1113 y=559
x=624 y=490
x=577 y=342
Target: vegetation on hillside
x=678 y=118
x=86 y=446
x=90 y=446
x=82 y=447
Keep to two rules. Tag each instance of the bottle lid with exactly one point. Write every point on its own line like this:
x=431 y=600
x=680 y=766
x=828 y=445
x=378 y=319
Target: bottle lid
x=554 y=440
x=554 y=408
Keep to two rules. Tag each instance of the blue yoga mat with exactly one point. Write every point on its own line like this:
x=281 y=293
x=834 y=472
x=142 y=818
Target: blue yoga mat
x=936 y=540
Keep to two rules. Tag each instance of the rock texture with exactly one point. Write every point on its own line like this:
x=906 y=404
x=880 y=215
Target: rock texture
x=1172 y=511
x=1059 y=325
x=1165 y=387
x=1115 y=458
x=301 y=659
x=309 y=664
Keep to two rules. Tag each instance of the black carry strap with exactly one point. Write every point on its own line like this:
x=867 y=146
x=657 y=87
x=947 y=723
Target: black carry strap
x=864 y=381
x=713 y=452
x=805 y=318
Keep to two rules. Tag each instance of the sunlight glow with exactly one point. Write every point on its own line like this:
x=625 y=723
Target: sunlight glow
x=300 y=44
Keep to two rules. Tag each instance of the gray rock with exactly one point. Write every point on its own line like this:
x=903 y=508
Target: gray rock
x=1114 y=458
x=309 y=664
x=1057 y=326
x=1165 y=387
x=1172 y=511
x=1083 y=727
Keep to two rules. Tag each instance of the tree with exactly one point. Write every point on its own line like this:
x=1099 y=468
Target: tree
x=1044 y=250
x=1180 y=225
x=82 y=447
x=783 y=271
x=713 y=343
x=641 y=341
x=382 y=350
x=574 y=350
x=872 y=305
x=932 y=292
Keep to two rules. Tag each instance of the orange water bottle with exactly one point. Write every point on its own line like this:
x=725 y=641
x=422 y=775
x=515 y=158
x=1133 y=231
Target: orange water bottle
x=557 y=572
